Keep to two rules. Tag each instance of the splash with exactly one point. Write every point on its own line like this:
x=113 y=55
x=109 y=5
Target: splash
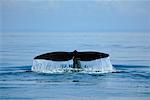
x=96 y=66
x=99 y=66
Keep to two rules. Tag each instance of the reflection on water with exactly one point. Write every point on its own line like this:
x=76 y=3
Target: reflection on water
x=128 y=82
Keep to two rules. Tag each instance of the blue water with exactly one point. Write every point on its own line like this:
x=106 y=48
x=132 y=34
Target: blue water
x=129 y=54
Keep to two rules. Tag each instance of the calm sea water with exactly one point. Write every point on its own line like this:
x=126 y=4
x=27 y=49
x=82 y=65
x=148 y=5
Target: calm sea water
x=129 y=54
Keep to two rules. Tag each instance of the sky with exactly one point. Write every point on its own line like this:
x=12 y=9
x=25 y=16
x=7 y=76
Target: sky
x=75 y=16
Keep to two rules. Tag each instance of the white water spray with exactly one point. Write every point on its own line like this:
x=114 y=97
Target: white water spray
x=102 y=65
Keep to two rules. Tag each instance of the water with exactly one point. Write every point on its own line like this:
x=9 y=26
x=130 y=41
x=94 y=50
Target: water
x=129 y=55
x=45 y=66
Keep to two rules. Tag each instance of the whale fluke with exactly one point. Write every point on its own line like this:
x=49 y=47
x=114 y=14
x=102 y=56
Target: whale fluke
x=75 y=55
x=65 y=56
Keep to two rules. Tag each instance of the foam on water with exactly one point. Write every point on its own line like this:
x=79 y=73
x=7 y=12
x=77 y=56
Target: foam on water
x=96 y=66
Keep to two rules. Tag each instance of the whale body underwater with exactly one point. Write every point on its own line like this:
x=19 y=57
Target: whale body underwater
x=76 y=56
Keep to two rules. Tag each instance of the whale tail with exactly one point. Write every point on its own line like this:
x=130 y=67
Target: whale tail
x=75 y=55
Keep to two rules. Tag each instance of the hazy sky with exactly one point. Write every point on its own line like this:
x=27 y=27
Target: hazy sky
x=75 y=15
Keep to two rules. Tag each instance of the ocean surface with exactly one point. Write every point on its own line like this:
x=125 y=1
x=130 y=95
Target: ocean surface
x=129 y=55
